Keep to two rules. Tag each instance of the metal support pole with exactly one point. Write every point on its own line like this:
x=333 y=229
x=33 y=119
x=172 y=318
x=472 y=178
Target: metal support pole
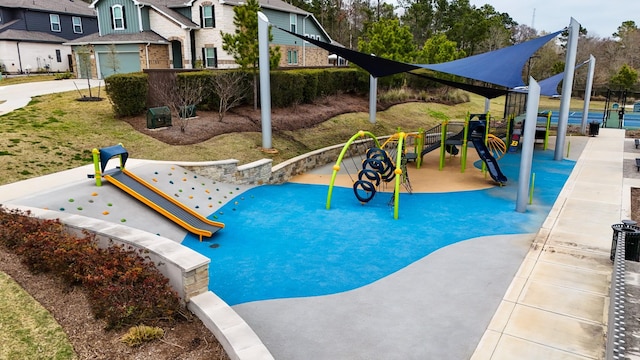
x=373 y=98
x=265 y=81
x=528 y=141
x=587 y=94
x=567 y=87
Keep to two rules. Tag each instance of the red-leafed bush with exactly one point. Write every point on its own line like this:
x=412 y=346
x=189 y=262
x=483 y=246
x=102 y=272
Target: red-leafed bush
x=124 y=287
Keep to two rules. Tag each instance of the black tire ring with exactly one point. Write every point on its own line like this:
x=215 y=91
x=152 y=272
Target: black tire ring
x=367 y=187
x=370 y=175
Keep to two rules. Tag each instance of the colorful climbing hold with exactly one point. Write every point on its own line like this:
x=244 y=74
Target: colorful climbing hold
x=71 y=200
x=94 y=194
x=123 y=220
x=105 y=213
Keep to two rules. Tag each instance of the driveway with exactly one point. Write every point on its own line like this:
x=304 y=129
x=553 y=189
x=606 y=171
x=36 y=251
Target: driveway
x=14 y=97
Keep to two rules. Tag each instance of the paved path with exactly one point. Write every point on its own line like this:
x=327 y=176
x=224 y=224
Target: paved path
x=19 y=95
x=557 y=304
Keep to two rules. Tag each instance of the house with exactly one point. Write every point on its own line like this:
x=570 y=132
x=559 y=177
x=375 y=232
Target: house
x=32 y=33
x=161 y=34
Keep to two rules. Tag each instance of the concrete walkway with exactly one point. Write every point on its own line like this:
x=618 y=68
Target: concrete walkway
x=19 y=95
x=557 y=305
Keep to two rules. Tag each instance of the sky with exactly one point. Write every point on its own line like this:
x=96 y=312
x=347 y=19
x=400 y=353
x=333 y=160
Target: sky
x=600 y=18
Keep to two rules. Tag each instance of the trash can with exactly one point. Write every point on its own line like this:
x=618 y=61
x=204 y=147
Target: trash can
x=631 y=240
x=594 y=128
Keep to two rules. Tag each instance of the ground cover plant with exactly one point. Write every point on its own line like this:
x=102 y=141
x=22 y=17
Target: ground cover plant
x=55 y=133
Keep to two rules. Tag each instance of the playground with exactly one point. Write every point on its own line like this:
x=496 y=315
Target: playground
x=457 y=232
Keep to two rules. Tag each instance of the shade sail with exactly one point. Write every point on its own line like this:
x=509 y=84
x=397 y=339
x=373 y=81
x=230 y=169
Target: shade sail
x=485 y=91
x=501 y=67
x=549 y=86
x=376 y=66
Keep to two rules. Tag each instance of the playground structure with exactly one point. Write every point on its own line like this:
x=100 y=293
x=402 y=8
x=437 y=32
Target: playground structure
x=148 y=194
x=543 y=125
x=452 y=135
x=387 y=162
x=377 y=168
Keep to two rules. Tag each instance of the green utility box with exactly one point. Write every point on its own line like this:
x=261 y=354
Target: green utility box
x=158 y=117
x=188 y=111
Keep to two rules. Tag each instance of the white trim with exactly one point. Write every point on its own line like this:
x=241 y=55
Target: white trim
x=139 y=8
x=113 y=17
x=51 y=22
x=73 y=18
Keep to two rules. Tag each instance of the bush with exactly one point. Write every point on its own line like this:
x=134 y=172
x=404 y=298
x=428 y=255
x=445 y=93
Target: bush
x=128 y=93
x=64 y=75
x=123 y=287
x=287 y=88
x=137 y=335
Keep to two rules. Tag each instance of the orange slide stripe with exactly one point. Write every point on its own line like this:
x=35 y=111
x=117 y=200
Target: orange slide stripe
x=154 y=206
x=173 y=200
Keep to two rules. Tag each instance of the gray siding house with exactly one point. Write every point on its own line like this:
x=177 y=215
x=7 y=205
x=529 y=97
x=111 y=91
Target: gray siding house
x=33 y=33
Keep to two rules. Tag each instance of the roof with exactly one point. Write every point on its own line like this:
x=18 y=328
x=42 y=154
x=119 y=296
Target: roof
x=31 y=36
x=136 y=38
x=270 y=4
x=166 y=7
x=75 y=7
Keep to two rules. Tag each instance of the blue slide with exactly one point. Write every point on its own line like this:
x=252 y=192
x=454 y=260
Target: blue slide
x=492 y=163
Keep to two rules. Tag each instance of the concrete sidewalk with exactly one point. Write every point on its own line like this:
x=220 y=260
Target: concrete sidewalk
x=19 y=95
x=557 y=305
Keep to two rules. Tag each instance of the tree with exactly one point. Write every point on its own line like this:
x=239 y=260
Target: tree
x=84 y=64
x=626 y=78
x=419 y=17
x=179 y=93
x=243 y=43
x=624 y=29
x=387 y=39
x=231 y=89
x=439 y=49
x=111 y=60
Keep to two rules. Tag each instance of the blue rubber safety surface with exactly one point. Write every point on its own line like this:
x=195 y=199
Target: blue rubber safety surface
x=280 y=241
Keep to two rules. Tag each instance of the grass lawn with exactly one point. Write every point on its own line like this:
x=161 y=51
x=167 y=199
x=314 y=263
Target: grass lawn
x=27 y=330
x=55 y=132
x=25 y=79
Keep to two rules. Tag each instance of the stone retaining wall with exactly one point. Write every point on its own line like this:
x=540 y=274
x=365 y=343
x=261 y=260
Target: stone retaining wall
x=263 y=172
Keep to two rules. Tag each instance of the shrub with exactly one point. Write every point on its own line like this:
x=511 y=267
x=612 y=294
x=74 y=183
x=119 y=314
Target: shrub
x=127 y=93
x=137 y=335
x=123 y=287
x=64 y=75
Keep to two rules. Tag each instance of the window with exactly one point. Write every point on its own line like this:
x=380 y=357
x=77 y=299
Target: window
x=207 y=19
x=77 y=24
x=293 y=21
x=58 y=56
x=55 y=22
x=292 y=57
x=117 y=17
x=210 y=56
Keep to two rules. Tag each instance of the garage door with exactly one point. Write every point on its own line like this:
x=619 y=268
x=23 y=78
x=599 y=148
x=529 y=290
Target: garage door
x=118 y=63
